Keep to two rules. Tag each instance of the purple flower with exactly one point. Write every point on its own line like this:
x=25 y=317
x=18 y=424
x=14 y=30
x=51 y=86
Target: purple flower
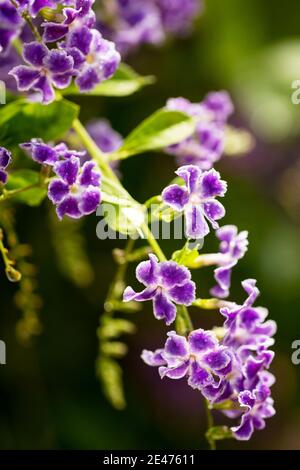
x=199 y=357
x=131 y=23
x=76 y=191
x=95 y=58
x=107 y=139
x=233 y=247
x=206 y=146
x=79 y=15
x=245 y=325
x=46 y=68
x=46 y=154
x=219 y=104
x=197 y=199
x=166 y=284
x=177 y=16
x=259 y=406
x=5 y=159
x=34 y=6
x=10 y=24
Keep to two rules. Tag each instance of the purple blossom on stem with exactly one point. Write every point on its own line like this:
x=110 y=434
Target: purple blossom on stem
x=46 y=68
x=166 y=284
x=206 y=146
x=233 y=247
x=46 y=154
x=5 y=160
x=259 y=406
x=197 y=199
x=76 y=190
x=199 y=357
x=95 y=58
x=81 y=14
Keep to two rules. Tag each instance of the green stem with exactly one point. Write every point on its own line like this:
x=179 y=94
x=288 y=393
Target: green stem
x=25 y=15
x=153 y=243
x=93 y=149
x=8 y=194
x=210 y=424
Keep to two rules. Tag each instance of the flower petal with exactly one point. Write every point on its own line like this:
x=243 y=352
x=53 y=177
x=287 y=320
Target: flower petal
x=184 y=294
x=190 y=174
x=57 y=190
x=196 y=226
x=175 y=196
x=25 y=77
x=34 y=53
x=68 y=170
x=68 y=206
x=163 y=309
x=201 y=341
x=147 y=271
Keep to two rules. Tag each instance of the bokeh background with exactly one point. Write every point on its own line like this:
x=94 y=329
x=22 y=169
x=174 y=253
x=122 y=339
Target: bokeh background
x=50 y=396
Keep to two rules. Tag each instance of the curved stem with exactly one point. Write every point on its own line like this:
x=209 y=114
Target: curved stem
x=153 y=243
x=25 y=15
x=8 y=194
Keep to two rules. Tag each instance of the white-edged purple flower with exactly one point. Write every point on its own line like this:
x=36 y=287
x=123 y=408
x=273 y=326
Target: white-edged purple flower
x=46 y=69
x=246 y=328
x=197 y=199
x=166 y=284
x=233 y=246
x=80 y=14
x=206 y=145
x=11 y=24
x=5 y=160
x=259 y=406
x=76 y=190
x=96 y=59
x=47 y=154
x=199 y=357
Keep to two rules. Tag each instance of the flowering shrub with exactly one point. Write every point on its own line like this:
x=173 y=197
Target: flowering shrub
x=74 y=47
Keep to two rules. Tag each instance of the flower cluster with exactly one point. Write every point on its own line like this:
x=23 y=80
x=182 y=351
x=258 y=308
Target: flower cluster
x=80 y=52
x=228 y=370
x=197 y=199
x=130 y=23
x=206 y=145
x=5 y=159
x=76 y=188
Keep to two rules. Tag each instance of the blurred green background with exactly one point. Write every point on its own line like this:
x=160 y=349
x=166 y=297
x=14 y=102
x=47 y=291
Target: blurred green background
x=50 y=396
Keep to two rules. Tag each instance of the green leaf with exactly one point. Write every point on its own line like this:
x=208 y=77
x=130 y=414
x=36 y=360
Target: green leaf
x=20 y=121
x=125 y=82
x=110 y=375
x=20 y=179
x=161 y=129
x=122 y=213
